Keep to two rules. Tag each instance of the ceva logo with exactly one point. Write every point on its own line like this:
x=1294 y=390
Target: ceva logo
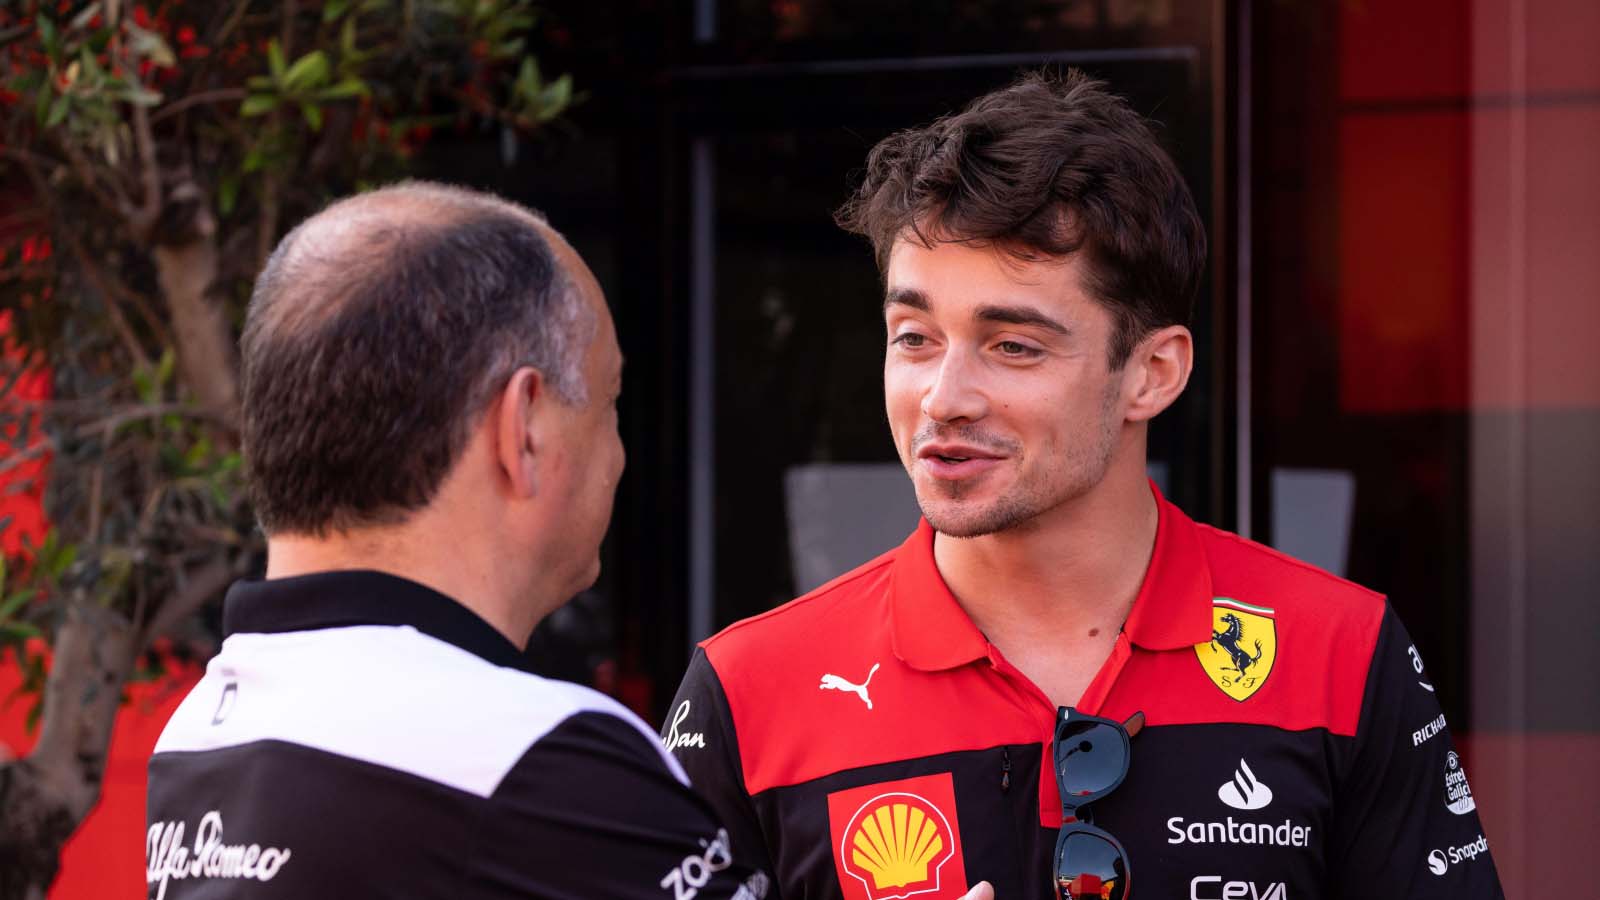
x=1245 y=791
x=1212 y=887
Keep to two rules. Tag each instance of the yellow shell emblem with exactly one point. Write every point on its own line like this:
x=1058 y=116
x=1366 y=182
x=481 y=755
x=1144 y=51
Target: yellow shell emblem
x=1242 y=649
x=897 y=840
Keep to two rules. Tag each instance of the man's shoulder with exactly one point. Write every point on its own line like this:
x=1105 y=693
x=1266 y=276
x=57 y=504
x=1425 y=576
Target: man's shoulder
x=360 y=693
x=858 y=597
x=1250 y=572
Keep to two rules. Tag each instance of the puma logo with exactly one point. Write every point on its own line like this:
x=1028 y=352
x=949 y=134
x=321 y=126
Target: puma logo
x=835 y=683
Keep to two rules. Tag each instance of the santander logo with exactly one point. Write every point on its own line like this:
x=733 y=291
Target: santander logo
x=1245 y=791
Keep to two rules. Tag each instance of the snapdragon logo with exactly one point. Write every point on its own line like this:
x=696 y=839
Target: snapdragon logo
x=1440 y=861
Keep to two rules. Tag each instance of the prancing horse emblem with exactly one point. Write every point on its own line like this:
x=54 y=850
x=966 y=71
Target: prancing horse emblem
x=835 y=683
x=1242 y=648
x=1229 y=641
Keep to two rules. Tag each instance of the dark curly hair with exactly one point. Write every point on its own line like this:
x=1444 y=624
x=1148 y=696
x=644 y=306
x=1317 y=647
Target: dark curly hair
x=1049 y=166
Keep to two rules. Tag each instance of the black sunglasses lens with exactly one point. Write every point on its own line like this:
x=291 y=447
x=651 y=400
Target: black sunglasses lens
x=1090 y=758
x=1089 y=866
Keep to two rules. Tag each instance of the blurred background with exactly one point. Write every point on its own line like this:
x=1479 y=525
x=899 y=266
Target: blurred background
x=1399 y=342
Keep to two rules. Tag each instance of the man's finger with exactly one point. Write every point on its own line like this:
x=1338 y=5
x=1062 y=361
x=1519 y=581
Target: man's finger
x=980 y=891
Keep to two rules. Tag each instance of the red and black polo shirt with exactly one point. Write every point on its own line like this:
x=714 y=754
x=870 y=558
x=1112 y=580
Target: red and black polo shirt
x=874 y=745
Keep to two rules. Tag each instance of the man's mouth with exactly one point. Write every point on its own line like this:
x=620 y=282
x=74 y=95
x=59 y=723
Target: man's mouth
x=953 y=461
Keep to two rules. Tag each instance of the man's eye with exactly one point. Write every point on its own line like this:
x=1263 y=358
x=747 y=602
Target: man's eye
x=1015 y=348
x=909 y=339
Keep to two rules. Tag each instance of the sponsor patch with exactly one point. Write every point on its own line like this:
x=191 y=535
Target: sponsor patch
x=1457 y=793
x=684 y=881
x=167 y=858
x=1426 y=732
x=898 y=839
x=1242 y=649
x=1212 y=887
x=1416 y=663
x=674 y=739
x=831 y=682
x=1244 y=791
x=1440 y=861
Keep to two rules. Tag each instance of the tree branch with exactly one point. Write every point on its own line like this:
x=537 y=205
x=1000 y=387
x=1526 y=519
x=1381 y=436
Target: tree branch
x=203 y=584
x=143 y=219
x=220 y=95
x=148 y=411
x=102 y=283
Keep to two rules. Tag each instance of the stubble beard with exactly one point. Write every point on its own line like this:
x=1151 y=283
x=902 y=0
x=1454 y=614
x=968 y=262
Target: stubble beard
x=1083 y=468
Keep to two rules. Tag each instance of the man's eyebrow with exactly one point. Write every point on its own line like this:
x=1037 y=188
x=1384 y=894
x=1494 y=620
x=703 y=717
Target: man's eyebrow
x=906 y=297
x=1020 y=315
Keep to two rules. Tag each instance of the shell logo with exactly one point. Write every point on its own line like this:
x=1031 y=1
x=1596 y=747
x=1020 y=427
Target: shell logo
x=897 y=840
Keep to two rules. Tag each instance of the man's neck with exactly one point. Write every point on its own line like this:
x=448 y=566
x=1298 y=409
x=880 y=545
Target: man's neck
x=448 y=561
x=1074 y=571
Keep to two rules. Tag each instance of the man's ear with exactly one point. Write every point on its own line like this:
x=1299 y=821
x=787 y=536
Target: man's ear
x=1157 y=371
x=515 y=442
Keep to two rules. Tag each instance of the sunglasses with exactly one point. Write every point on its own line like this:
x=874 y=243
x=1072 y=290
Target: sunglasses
x=1091 y=758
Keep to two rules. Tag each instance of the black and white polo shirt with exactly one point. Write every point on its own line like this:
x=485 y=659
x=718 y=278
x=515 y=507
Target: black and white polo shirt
x=360 y=735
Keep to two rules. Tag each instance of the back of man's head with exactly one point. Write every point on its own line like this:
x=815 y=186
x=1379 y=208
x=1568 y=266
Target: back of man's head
x=1048 y=166
x=378 y=332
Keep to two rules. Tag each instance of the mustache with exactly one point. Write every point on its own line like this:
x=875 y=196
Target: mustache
x=970 y=435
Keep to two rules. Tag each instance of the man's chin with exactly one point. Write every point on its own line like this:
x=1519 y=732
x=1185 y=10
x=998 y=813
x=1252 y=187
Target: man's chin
x=968 y=520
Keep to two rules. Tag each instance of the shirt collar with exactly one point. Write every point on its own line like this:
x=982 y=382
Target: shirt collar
x=361 y=597
x=932 y=632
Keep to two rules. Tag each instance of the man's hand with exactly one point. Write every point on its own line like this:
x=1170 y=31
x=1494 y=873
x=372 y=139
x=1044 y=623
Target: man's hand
x=980 y=891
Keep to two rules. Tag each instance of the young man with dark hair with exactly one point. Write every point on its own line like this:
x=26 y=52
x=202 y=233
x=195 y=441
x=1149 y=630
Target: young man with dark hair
x=429 y=421
x=1060 y=683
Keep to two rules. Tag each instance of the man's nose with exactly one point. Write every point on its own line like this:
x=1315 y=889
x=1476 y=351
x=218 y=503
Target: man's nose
x=955 y=395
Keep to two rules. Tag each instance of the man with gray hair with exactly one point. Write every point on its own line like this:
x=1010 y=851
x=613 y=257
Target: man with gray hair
x=430 y=379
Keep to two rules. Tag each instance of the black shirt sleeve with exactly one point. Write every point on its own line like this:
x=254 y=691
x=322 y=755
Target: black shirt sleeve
x=1405 y=824
x=699 y=733
x=592 y=811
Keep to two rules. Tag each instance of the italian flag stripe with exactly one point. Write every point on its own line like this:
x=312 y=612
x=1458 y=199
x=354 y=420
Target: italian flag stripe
x=1229 y=601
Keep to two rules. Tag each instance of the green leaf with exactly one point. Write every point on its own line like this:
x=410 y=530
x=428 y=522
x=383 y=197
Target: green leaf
x=143 y=384
x=149 y=45
x=15 y=602
x=58 y=111
x=3 y=571
x=344 y=90
x=41 y=106
x=334 y=9
x=228 y=193
x=275 y=61
x=59 y=564
x=165 y=366
x=308 y=71
x=258 y=105
x=347 y=37
x=49 y=37
x=528 y=80
x=139 y=95
x=92 y=72
x=195 y=459
x=255 y=160
x=313 y=115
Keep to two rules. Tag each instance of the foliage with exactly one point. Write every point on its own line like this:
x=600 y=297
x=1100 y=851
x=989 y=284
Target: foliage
x=150 y=157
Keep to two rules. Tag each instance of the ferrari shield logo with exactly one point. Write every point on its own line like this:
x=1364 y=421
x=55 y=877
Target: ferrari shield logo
x=1243 y=645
